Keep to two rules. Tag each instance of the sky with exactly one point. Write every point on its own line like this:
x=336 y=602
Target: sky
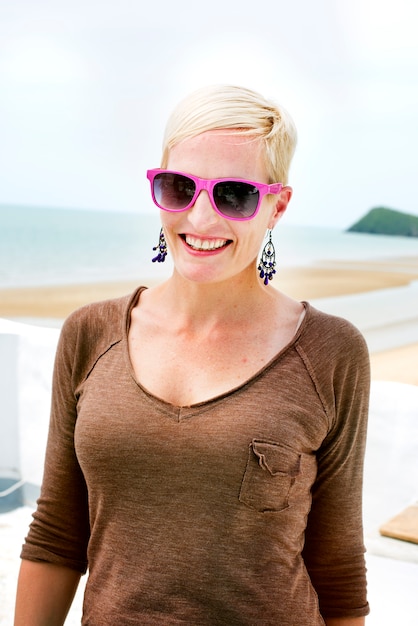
x=87 y=85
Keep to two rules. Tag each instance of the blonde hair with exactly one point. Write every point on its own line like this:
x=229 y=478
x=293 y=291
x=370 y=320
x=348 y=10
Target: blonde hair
x=237 y=108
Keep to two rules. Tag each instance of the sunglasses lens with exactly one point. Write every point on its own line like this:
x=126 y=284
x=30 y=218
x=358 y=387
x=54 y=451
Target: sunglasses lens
x=233 y=199
x=173 y=191
x=236 y=199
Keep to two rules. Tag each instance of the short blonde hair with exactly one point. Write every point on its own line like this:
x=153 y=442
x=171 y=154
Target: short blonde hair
x=230 y=107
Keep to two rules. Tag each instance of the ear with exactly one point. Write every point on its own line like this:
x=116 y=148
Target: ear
x=281 y=205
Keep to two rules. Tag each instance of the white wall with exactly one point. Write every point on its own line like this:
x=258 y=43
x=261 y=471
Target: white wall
x=26 y=363
x=9 y=423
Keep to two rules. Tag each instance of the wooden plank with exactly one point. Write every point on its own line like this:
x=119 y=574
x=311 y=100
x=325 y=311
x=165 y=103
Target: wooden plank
x=403 y=526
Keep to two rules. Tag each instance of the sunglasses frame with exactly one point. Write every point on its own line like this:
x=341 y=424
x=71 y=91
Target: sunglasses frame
x=208 y=184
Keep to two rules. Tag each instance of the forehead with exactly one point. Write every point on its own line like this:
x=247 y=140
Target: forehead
x=218 y=154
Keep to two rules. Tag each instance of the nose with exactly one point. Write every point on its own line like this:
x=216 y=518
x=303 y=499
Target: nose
x=202 y=214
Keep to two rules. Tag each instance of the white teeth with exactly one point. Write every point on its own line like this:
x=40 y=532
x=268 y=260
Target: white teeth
x=205 y=244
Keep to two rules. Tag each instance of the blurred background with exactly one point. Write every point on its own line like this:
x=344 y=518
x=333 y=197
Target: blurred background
x=86 y=86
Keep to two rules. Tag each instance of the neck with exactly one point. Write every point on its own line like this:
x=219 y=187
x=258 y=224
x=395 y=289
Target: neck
x=197 y=304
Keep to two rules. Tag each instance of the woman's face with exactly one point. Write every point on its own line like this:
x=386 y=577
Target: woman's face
x=205 y=246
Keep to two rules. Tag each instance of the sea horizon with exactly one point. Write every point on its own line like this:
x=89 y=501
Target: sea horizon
x=46 y=246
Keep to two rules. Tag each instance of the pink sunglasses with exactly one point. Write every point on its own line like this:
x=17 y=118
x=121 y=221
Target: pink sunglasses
x=233 y=198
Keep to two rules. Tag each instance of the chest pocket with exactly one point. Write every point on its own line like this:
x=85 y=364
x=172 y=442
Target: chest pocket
x=270 y=473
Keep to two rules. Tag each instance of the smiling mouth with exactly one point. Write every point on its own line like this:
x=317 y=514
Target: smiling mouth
x=205 y=245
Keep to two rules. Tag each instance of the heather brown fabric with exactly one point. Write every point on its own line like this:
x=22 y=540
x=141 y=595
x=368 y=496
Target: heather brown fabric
x=242 y=510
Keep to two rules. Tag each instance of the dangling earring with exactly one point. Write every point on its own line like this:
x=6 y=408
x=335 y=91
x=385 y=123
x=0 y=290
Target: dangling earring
x=162 y=249
x=267 y=261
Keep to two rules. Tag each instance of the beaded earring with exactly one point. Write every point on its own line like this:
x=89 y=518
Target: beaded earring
x=162 y=249
x=267 y=261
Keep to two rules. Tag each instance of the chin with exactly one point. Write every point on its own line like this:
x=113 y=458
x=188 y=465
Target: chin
x=202 y=275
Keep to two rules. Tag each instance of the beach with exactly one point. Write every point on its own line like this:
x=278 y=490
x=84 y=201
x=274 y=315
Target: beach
x=313 y=282
x=302 y=283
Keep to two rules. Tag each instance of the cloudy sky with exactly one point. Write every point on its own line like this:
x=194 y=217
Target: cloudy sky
x=86 y=86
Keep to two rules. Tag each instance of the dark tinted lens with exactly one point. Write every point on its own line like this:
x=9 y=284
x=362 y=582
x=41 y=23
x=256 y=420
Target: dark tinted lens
x=235 y=199
x=173 y=191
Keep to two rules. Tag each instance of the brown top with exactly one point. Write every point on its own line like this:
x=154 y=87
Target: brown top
x=241 y=510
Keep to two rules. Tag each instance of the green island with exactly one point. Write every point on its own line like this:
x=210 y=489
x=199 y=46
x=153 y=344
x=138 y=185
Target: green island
x=383 y=221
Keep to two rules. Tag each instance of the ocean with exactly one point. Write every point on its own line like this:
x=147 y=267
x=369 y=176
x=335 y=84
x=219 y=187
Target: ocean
x=46 y=246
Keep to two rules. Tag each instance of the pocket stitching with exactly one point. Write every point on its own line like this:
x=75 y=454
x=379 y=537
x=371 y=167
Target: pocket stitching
x=264 y=493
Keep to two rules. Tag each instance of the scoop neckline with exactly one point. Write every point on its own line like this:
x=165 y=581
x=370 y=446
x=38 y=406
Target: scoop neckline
x=199 y=406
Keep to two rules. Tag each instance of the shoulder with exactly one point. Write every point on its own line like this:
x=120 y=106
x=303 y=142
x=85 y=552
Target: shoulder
x=103 y=316
x=92 y=329
x=336 y=356
x=328 y=334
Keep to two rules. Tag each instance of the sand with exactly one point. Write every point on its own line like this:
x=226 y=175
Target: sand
x=302 y=283
x=398 y=365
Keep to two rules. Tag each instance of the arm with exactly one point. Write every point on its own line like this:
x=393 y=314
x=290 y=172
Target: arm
x=44 y=594
x=54 y=551
x=354 y=621
x=334 y=547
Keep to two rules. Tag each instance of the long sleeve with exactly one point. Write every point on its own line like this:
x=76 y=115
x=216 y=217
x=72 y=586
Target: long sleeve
x=334 y=547
x=60 y=530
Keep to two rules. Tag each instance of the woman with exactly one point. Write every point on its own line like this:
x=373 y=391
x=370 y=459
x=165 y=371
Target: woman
x=207 y=435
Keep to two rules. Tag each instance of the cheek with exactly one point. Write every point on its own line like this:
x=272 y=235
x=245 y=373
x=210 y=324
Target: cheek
x=264 y=220
x=252 y=240
x=170 y=220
